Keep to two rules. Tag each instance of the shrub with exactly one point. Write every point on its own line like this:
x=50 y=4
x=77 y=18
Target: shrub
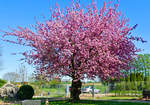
x=2 y=82
x=25 y=92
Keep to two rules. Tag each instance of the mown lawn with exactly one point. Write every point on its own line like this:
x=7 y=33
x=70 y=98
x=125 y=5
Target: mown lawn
x=116 y=98
x=6 y=103
x=90 y=102
x=103 y=101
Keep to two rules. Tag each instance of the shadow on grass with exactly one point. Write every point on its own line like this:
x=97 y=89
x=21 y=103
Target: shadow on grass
x=13 y=101
x=93 y=102
x=65 y=101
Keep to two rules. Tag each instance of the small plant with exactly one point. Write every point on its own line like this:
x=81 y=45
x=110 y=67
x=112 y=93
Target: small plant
x=2 y=82
x=25 y=92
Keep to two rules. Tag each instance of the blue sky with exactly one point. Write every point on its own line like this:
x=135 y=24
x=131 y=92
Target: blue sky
x=23 y=12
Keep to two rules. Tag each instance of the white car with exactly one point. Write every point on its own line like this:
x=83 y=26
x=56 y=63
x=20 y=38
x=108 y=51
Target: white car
x=88 y=89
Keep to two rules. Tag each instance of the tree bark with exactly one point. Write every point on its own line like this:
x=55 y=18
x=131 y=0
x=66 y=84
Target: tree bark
x=75 y=90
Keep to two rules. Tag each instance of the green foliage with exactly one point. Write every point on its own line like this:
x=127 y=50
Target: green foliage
x=51 y=84
x=142 y=64
x=135 y=77
x=25 y=92
x=54 y=83
x=2 y=82
x=147 y=83
x=37 y=83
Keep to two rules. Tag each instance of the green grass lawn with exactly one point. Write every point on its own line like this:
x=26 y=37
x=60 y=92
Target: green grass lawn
x=131 y=92
x=101 y=87
x=2 y=103
x=90 y=102
x=117 y=98
x=94 y=102
x=54 y=92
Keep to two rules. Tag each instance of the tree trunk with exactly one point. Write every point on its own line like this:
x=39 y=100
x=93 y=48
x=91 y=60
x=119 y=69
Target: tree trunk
x=75 y=90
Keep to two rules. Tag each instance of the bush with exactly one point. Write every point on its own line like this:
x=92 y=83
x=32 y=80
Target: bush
x=25 y=92
x=2 y=82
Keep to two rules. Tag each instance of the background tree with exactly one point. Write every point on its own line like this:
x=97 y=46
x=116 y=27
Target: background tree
x=137 y=78
x=142 y=66
x=22 y=72
x=41 y=79
x=31 y=78
x=11 y=76
x=79 y=41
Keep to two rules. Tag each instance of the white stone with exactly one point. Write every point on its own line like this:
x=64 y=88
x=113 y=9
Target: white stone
x=31 y=102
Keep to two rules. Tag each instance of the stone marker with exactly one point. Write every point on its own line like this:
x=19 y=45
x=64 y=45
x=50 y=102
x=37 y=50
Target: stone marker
x=31 y=102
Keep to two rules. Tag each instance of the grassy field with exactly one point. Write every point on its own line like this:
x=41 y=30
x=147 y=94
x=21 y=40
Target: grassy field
x=89 y=102
x=117 y=98
x=60 y=92
x=55 y=92
x=111 y=98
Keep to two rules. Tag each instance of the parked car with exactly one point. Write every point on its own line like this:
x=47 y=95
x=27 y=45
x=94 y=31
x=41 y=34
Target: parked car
x=89 y=89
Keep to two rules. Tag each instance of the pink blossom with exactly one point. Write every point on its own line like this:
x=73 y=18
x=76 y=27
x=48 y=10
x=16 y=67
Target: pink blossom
x=78 y=42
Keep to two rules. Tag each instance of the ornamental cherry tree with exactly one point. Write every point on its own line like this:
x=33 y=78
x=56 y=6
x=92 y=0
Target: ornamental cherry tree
x=79 y=42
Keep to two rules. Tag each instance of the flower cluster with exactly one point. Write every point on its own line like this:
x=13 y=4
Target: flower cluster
x=80 y=41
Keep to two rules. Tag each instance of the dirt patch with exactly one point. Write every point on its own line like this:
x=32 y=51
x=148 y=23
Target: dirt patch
x=5 y=103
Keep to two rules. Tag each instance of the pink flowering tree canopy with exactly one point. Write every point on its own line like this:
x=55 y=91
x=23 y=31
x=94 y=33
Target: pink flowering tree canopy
x=79 y=41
